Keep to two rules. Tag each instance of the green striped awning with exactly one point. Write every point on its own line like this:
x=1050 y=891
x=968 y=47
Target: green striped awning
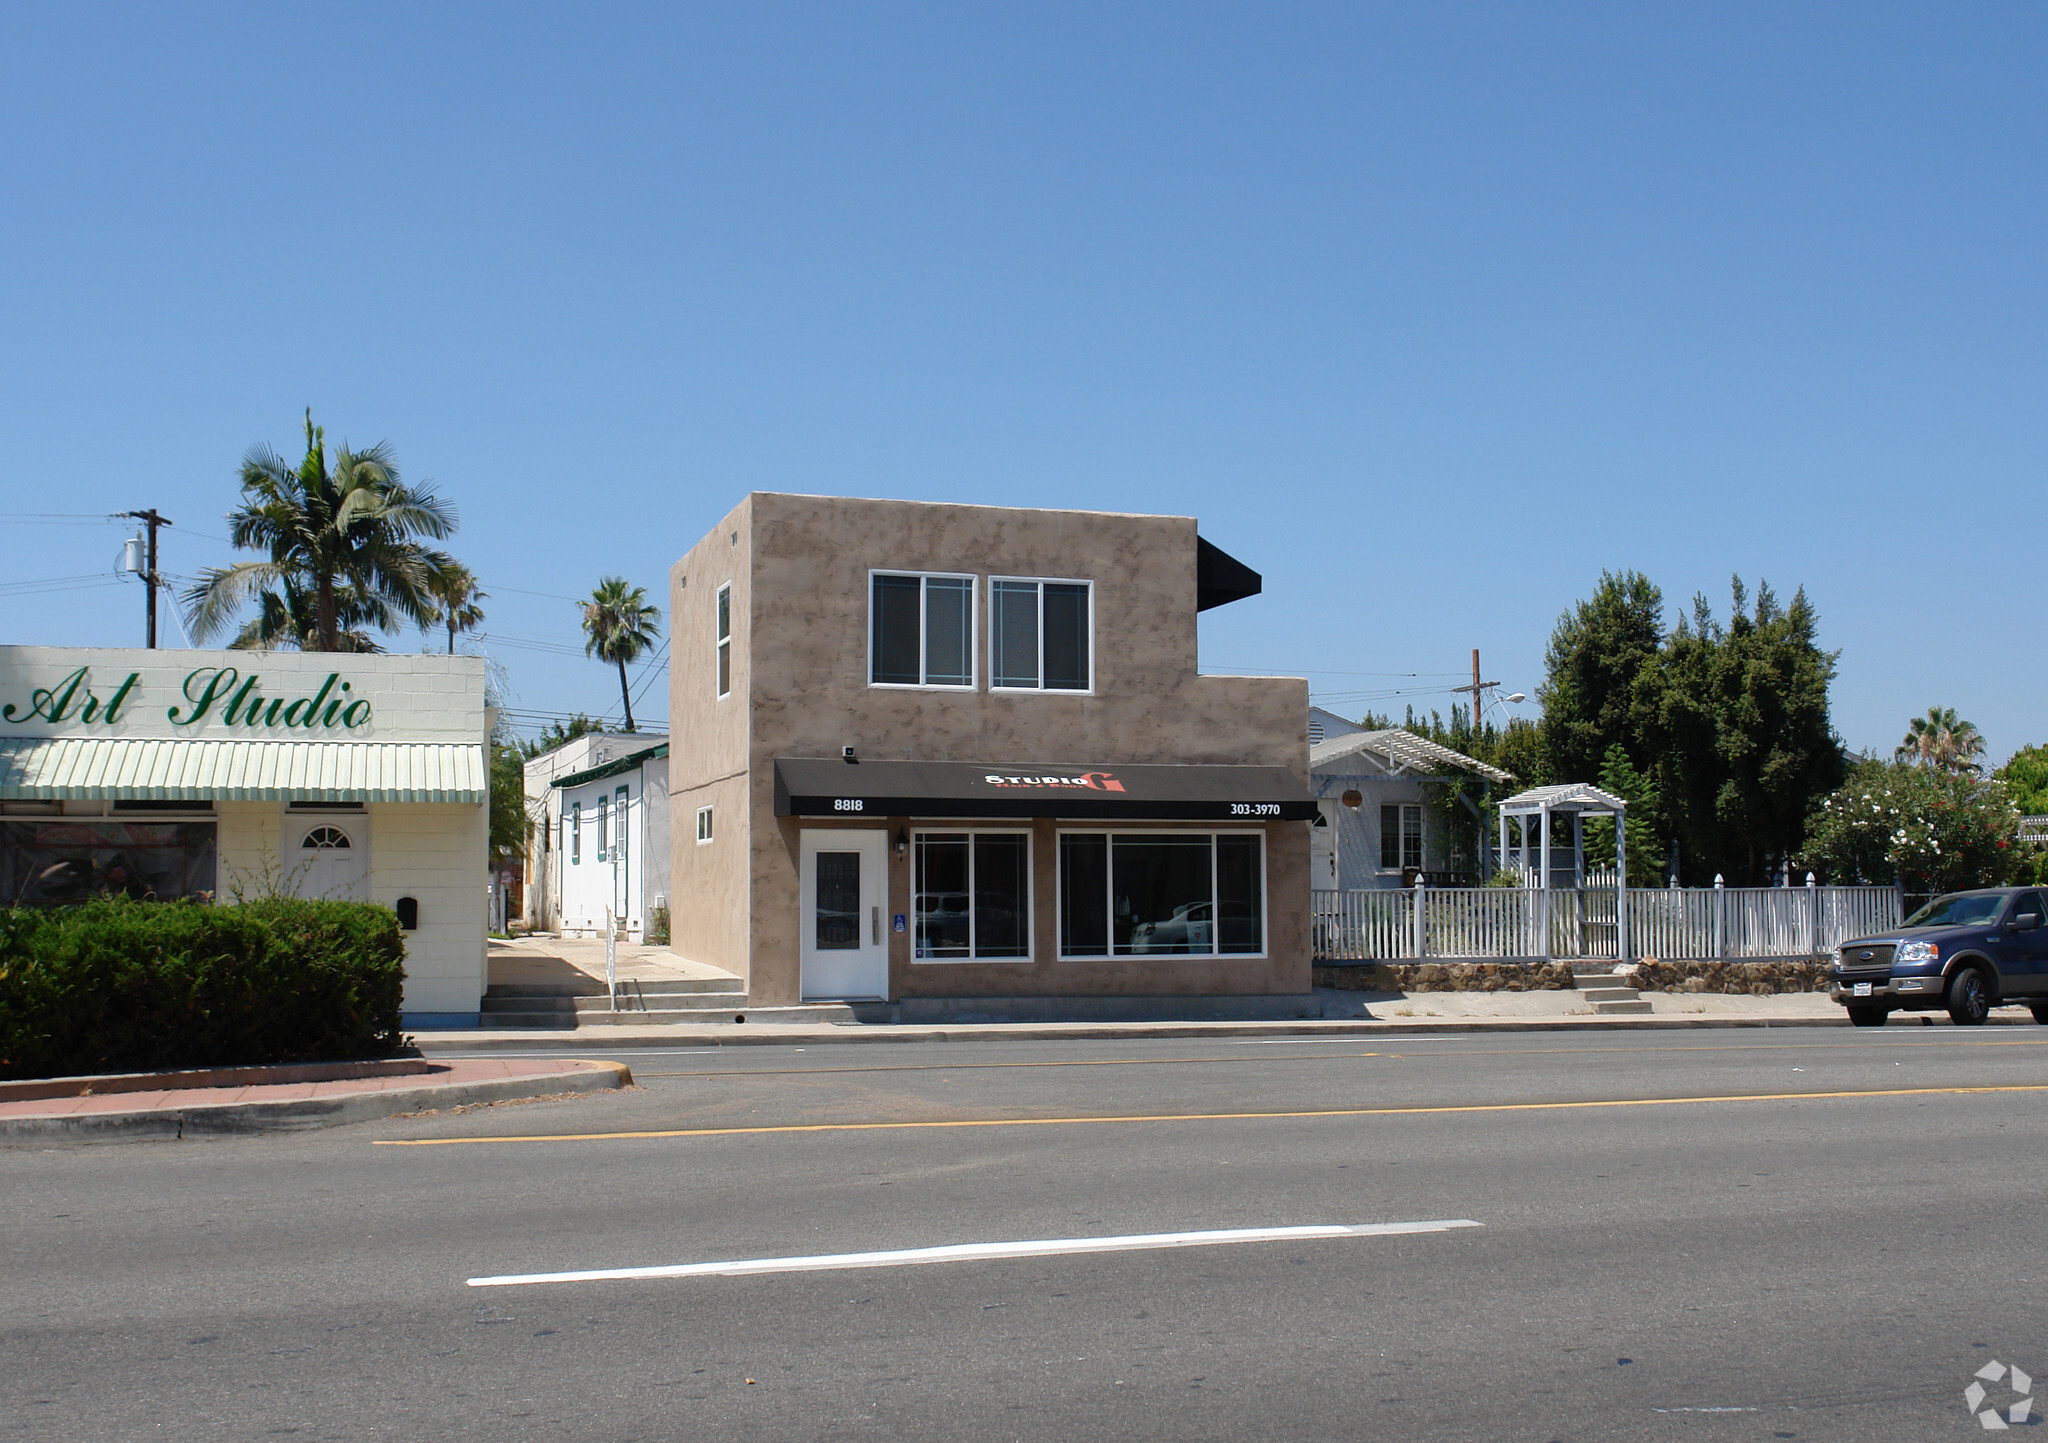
x=137 y=770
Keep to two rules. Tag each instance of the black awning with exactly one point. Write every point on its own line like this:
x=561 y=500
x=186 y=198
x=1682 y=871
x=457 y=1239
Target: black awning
x=808 y=787
x=1221 y=578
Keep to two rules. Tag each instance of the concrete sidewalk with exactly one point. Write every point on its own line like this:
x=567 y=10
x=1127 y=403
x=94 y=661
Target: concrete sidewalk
x=1372 y=1014
x=128 y=1108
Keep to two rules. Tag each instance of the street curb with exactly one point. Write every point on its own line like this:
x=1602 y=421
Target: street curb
x=301 y=1114
x=685 y=1034
x=1081 y=1032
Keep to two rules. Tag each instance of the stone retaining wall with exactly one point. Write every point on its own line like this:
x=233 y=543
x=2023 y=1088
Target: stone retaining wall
x=1739 y=979
x=1447 y=977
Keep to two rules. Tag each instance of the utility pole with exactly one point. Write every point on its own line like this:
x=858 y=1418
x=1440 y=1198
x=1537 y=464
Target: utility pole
x=151 y=581
x=1476 y=688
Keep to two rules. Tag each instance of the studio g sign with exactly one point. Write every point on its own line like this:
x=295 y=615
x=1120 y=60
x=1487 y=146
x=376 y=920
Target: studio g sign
x=217 y=694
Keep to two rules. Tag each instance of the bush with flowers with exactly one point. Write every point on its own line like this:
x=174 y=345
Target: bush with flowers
x=1935 y=831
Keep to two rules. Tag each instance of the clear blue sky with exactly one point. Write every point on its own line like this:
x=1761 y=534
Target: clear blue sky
x=1429 y=314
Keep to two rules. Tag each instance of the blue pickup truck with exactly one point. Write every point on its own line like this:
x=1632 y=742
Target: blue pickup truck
x=1967 y=952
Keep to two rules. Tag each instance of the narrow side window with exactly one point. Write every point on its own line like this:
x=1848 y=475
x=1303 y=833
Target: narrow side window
x=725 y=639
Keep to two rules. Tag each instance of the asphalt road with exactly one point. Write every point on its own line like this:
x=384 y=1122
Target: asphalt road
x=1704 y=1254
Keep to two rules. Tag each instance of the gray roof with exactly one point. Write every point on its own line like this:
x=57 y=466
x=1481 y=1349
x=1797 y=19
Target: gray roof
x=1400 y=751
x=1566 y=797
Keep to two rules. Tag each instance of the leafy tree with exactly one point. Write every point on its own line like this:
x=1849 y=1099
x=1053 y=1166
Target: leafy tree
x=330 y=531
x=456 y=595
x=1736 y=722
x=2025 y=776
x=509 y=823
x=554 y=736
x=1596 y=653
x=1935 y=831
x=1941 y=740
x=619 y=624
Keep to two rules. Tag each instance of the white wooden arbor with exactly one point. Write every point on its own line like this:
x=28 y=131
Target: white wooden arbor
x=1577 y=800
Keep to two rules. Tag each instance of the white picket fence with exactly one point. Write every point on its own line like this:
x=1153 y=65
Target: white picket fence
x=1678 y=924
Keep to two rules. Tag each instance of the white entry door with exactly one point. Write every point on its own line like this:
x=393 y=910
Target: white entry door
x=329 y=856
x=845 y=941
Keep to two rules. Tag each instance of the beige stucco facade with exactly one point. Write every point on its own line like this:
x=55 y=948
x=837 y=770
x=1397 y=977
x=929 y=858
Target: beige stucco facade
x=798 y=569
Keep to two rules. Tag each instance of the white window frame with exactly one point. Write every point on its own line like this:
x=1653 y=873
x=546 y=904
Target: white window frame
x=1030 y=897
x=1400 y=835
x=1042 y=689
x=722 y=622
x=604 y=827
x=973 y=630
x=576 y=834
x=704 y=827
x=1109 y=861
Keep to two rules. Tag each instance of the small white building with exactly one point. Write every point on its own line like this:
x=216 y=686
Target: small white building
x=600 y=840
x=222 y=774
x=1376 y=830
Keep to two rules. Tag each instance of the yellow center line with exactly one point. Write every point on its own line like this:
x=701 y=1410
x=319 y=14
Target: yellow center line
x=1329 y=1056
x=1203 y=1116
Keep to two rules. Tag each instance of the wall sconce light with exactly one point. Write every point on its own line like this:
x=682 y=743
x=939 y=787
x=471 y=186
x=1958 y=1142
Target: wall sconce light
x=902 y=840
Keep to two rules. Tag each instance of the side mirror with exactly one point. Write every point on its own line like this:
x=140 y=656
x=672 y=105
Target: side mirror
x=2026 y=921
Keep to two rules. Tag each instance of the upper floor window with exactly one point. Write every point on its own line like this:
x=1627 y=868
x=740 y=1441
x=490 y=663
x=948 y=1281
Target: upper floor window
x=921 y=630
x=725 y=639
x=703 y=824
x=1041 y=635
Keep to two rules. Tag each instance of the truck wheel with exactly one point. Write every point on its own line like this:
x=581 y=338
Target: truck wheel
x=1869 y=1016
x=1969 y=1000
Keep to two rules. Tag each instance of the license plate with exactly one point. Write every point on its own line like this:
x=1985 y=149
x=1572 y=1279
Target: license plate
x=1862 y=989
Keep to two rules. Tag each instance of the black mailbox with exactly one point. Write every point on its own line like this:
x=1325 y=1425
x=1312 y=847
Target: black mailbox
x=408 y=910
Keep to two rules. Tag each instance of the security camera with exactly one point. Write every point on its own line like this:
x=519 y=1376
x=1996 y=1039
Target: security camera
x=846 y=754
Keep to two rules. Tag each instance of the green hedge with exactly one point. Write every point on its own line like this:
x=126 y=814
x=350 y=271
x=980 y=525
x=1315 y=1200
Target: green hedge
x=127 y=986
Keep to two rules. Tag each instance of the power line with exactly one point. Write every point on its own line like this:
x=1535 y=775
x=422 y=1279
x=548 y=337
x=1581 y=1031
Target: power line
x=58 y=583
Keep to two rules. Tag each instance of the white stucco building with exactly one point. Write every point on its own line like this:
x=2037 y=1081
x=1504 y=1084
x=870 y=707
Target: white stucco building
x=225 y=774
x=599 y=834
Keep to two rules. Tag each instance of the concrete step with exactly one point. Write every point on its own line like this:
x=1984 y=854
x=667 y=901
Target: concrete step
x=572 y=1021
x=594 y=987
x=1607 y=993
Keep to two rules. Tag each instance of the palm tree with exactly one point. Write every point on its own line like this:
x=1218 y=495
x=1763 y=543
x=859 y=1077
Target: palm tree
x=284 y=621
x=330 y=532
x=456 y=596
x=1941 y=741
x=620 y=624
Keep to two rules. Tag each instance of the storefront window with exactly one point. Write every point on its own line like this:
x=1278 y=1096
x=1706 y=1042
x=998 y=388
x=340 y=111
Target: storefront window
x=1162 y=894
x=973 y=895
x=70 y=860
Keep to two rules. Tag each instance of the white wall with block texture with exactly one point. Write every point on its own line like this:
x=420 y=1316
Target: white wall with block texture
x=436 y=854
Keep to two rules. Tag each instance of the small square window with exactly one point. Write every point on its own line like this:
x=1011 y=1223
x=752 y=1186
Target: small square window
x=703 y=824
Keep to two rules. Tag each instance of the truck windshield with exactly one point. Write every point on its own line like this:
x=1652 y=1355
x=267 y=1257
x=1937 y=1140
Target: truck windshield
x=1958 y=909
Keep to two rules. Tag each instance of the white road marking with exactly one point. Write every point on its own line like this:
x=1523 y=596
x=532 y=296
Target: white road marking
x=963 y=1252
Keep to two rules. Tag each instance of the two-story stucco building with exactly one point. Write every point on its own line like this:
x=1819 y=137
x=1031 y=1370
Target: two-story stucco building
x=936 y=751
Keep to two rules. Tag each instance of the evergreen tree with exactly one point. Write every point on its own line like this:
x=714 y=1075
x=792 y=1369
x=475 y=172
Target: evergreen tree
x=1596 y=653
x=1736 y=719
